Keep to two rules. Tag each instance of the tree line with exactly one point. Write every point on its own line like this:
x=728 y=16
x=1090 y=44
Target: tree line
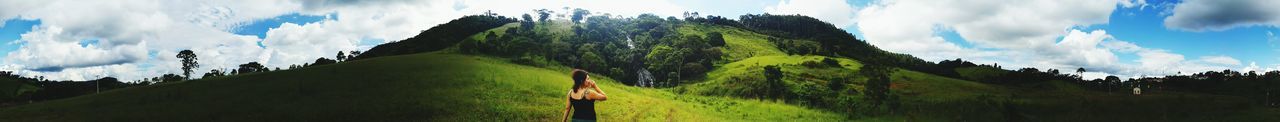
x=1262 y=87
x=52 y=89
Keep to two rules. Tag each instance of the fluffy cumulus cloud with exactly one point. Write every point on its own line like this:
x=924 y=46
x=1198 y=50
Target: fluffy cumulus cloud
x=1080 y=49
x=1004 y=31
x=129 y=39
x=14 y=8
x=837 y=12
x=1097 y=51
x=1217 y=15
x=1027 y=33
x=988 y=23
x=46 y=51
x=355 y=24
x=134 y=39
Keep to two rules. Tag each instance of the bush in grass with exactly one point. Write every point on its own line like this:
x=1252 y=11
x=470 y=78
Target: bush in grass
x=531 y=60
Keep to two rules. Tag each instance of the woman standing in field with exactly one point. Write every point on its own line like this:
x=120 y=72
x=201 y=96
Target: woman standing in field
x=582 y=97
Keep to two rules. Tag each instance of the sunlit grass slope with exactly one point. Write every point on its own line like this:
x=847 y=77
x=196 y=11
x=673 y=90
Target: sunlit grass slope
x=721 y=82
x=739 y=43
x=419 y=87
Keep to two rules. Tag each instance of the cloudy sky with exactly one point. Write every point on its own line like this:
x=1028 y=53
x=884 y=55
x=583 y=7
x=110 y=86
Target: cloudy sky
x=134 y=39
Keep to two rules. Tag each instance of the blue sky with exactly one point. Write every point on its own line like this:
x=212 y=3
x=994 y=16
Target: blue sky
x=1146 y=27
x=260 y=27
x=11 y=31
x=1127 y=38
x=1152 y=40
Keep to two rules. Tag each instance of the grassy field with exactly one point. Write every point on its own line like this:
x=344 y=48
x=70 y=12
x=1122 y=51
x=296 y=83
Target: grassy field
x=980 y=73
x=431 y=87
x=927 y=97
x=722 y=81
x=739 y=44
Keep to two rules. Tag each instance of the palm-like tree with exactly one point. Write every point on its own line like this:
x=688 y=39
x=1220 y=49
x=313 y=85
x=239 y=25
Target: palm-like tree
x=1080 y=72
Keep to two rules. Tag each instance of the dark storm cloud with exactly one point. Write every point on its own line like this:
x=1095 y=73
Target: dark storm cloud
x=1217 y=15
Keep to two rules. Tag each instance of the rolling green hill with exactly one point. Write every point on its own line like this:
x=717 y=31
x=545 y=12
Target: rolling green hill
x=981 y=73
x=432 y=87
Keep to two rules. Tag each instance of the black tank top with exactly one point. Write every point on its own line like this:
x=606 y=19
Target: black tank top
x=583 y=108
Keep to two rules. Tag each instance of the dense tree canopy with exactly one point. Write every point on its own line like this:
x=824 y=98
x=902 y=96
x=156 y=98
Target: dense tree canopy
x=251 y=67
x=323 y=61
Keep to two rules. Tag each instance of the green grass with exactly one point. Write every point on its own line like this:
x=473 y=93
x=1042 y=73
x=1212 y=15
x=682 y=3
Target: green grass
x=933 y=88
x=720 y=81
x=981 y=73
x=910 y=83
x=419 y=87
x=739 y=44
x=928 y=97
x=11 y=88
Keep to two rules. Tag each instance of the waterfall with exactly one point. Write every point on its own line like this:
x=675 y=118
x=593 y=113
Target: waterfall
x=630 y=44
x=644 y=78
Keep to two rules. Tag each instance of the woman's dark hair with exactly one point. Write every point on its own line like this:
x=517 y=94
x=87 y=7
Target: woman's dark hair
x=579 y=77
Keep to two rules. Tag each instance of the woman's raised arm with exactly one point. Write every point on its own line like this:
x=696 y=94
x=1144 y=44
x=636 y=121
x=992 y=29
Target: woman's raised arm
x=596 y=93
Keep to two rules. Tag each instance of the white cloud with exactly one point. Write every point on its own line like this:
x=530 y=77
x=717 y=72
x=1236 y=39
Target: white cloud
x=1272 y=39
x=1253 y=66
x=90 y=73
x=296 y=44
x=1133 y=3
x=1029 y=33
x=1013 y=33
x=1025 y=24
x=133 y=38
x=45 y=50
x=1078 y=48
x=1150 y=62
x=138 y=38
x=1121 y=46
x=1218 y=15
x=15 y=8
x=1159 y=60
x=1224 y=60
x=837 y=12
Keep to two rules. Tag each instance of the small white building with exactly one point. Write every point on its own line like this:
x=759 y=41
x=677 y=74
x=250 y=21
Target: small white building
x=1137 y=91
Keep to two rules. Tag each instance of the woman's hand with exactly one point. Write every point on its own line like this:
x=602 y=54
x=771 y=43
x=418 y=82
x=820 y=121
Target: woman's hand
x=598 y=94
x=590 y=84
